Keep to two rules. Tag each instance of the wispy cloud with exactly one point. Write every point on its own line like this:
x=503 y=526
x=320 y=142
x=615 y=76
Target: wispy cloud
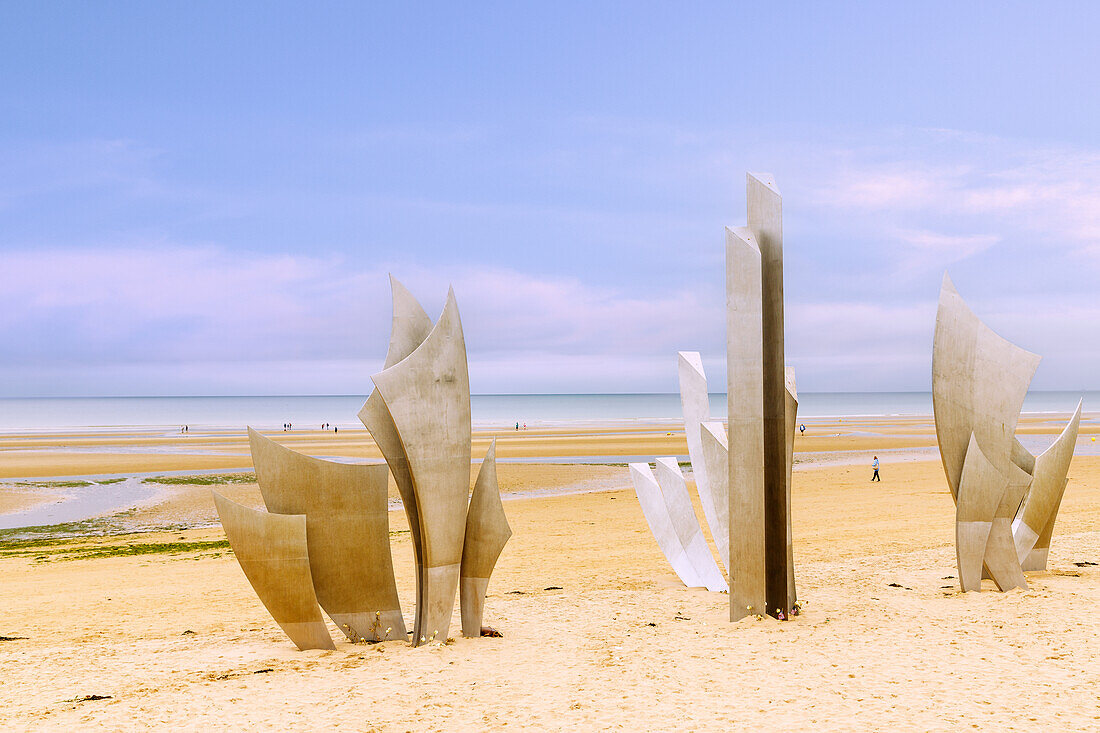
x=939 y=180
x=182 y=305
x=871 y=227
x=952 y=245
x=934 y=250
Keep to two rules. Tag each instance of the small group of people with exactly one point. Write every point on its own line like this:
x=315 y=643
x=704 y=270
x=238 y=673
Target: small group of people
x=184 y=429
x=524 y=426
x=287 y=427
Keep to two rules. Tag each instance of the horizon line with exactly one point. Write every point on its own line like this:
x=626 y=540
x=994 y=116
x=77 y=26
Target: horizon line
x=482 y=394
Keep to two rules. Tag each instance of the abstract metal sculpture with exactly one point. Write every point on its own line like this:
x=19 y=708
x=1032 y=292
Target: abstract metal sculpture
x=695 y=401
x=686 y=525
x=660 y=523
x=1034 y=523
x=667 y=507
x=716 y=464
x=410 y=326
x=791 y=391
x=743 y=472
x=427 y=395
x=974 y=512
x=487 y=532
x=347 y=532
x=761 y=410
x=1006 y=500
x=325 y=542
x=271 y=549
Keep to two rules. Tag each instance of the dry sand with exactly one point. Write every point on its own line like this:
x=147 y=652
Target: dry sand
x=598 y=632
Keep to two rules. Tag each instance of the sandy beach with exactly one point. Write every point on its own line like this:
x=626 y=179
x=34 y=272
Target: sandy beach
x=568 y=237
x=141 y=615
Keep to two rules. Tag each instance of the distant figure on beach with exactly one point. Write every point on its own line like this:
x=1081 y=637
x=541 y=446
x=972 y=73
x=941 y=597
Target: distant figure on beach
x=874 y=465
x=336 y=430
x=517 y=426
x=802 y=428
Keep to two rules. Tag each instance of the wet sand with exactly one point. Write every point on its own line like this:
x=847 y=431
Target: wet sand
x=17 y=500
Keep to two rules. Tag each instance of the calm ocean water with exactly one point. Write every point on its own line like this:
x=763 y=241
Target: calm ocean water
x=36 y=414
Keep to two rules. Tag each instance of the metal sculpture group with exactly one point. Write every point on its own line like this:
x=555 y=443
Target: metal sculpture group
x=743 y=473
x=323 y=542
x=1006 y=500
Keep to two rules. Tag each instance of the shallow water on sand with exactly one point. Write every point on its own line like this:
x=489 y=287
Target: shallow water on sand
x=83 y=502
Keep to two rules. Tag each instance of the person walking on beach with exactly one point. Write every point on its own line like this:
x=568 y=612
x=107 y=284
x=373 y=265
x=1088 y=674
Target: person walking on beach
x=874 y=465
x=802 y=428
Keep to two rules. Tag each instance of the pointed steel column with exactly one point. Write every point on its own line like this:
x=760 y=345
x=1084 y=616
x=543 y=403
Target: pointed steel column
x=428 y=398
x=761 y=409
x=745 y=395
x=487 y=532
x=410 y=326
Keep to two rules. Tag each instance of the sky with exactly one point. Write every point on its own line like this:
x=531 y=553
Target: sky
x=204 y=198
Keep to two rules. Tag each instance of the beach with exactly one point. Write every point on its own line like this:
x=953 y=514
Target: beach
x=139 y=614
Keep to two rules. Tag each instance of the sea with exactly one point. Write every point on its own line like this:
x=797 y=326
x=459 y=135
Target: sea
x=46 y=414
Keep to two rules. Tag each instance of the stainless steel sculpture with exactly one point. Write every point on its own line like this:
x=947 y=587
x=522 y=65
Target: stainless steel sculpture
x=1034 y=523
x=325 y=539
x=695 y=401
x=686 y=525
x=716 y=460
x=410 y=326
x=271 y=549
x=660 y=523
x=347 y=532
x=791 y=401
x=487 y=532
x=974 y=511
x=743 y=470
x=761 y=410
x=427 y=395
x=1006 y=500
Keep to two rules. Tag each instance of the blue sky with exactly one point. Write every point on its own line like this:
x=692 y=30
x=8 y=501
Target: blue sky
x=205 y=198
